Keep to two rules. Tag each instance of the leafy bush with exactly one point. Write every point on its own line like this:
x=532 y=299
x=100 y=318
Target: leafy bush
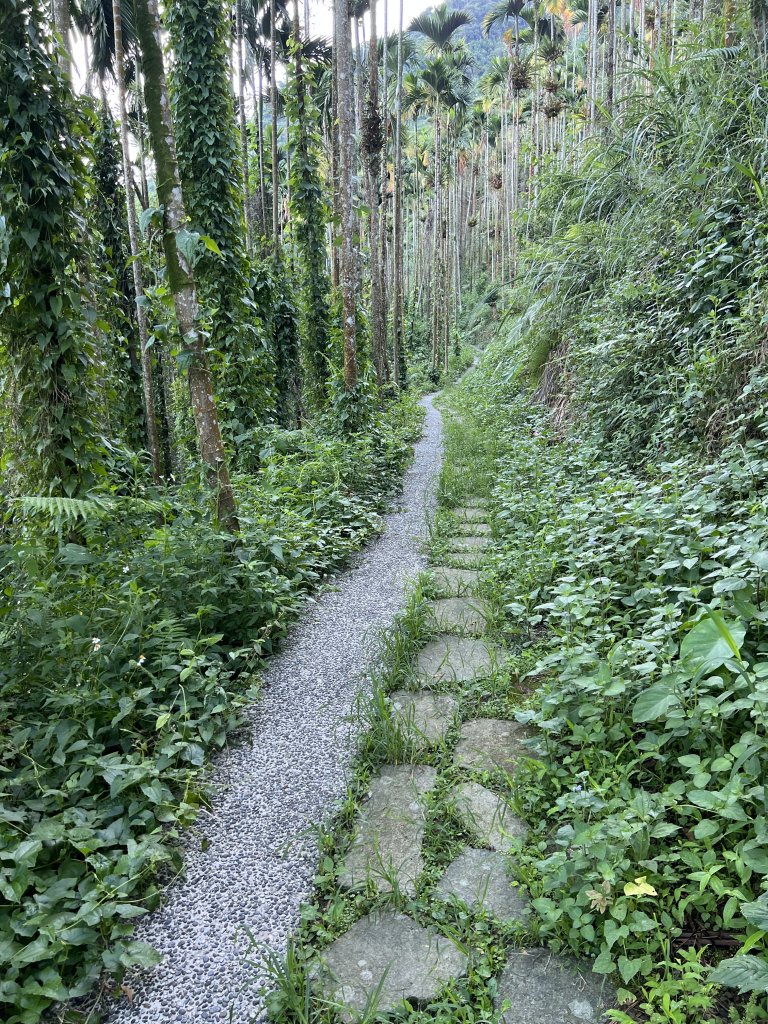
x=131 y=633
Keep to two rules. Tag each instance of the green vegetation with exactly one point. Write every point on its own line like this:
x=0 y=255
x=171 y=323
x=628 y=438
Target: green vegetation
x=111 y=705
x=230 y=257
x=623 y=408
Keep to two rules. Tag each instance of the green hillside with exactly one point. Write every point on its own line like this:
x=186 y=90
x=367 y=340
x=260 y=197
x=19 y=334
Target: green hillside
x=483 y=48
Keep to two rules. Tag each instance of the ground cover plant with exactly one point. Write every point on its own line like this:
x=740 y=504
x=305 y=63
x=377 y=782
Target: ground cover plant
x=132 y=633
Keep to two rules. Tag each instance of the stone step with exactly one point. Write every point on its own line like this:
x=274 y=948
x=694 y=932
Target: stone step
x=480 y=879
x=450 y=658
x=424 y=718
x=389 y=958
x=489 y=816
x=459 y=614
x=390 y=829
x=488 y=743
x=471 y=513
x=543 y=988
x=471 y=543
x=470 y=558
x=476 y=529
x=454 y=582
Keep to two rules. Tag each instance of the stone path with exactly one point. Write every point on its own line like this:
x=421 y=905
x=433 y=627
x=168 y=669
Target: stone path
x=361 y=962
x=387 y=957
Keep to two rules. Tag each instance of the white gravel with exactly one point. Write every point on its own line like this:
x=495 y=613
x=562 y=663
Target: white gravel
x=261 y=853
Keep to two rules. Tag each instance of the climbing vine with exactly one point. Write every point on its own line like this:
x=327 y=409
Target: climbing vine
x=117 y=301
x=46 y=311
x=308 y=221
x=209 y=167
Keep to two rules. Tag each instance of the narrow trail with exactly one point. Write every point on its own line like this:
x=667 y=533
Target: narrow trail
x=260 y=850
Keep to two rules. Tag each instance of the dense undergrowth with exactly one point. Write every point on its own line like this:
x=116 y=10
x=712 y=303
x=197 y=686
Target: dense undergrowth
x=631 y=510
x=643 y=599
x=131 y=634
x=296 y=995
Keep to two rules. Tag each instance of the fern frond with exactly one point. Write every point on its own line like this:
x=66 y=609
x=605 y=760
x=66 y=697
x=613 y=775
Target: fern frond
x=70 y=509
x=85 y=509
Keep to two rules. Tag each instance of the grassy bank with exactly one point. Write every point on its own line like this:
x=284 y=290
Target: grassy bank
x=641 y=600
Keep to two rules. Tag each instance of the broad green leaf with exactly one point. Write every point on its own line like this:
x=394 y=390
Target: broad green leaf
x=604 y=963
x=757 y=913
x=744 y=973
x=209 y=244
x=654 y=702
x=712 y=642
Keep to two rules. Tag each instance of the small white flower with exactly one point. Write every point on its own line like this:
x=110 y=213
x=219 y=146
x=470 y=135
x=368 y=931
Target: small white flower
x=95 y=643
x=126 y=570
x=141 y=659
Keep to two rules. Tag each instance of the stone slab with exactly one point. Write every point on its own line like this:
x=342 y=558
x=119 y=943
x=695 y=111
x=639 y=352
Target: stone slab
x=388 y=954
x=471 y=558
x=464 y=615
x=489 y=816
x=424 y=717
x=542 y=988
x=454 y=582
x=474 y=528
x=449 y=658
x=488 y=743
x=472 y=543
x=390 y=830
x=480 y=878
x=471 y=513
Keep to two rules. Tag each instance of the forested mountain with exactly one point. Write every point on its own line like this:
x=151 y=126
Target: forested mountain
x=483 y=47
x=232 y=259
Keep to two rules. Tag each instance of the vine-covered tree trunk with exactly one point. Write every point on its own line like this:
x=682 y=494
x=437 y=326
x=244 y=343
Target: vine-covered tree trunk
x=180 y=277
x=210 y=166
x=153 y=441
x=348 y=258
x=63 y=23
x=308 y=220
x=50 y=366
x=273 y=105
x=243 y=124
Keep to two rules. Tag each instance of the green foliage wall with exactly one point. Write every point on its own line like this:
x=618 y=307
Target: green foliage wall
x=646 y=272
x=46 y=311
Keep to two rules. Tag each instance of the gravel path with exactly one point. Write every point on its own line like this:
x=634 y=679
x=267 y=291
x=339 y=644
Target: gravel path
x=260 y=857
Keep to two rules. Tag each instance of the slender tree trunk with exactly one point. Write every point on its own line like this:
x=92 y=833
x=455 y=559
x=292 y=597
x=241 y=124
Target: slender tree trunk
x=357 y=73
x=133 y=235
x=335 y=255
x=372 y=128
x=348 y=261
x=398 y=347
x=259 y=99
x=273 y=104
x=611 y=58
x=180 y=276
x=247 y=207
x=63 y=24
x=141 y=138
